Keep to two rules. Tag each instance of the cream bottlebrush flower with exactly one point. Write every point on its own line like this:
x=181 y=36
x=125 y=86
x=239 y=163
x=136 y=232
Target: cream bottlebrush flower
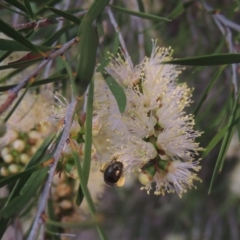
x=123 y=71
x=135 y=153
x=111 y=131
x=155 y=113
x=171 y=176
x=55 y=113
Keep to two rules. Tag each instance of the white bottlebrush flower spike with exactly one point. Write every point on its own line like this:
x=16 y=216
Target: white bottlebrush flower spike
x=154 y=125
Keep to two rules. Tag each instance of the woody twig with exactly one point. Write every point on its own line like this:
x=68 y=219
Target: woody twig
x=13 y=93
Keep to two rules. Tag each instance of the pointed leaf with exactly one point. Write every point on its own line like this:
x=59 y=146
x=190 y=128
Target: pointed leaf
x=141 y=14
x=5 y=6
x=216 y=139
x=29 y=9
x=226 y=141
x=88 y=142
x=238 y=127
x=17 y=4
x=141 y=5
x=117 y=92
x=65 y=15
x=70 y=74
x=207 y=60
x=88 y=51
x=15 y=177
x=9 y=114
x=105 y=61
x=3 y=226
x=56 y=35
x=28 y=191
x=180 y=8
x=209 y=87
x=50 y=227
x=10 y=45
x=87 y=194
x=20 y=64
x=37 y=83
x=9 y=31
x=95 y=9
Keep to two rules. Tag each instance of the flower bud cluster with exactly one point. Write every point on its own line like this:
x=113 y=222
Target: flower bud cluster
x=20 y=148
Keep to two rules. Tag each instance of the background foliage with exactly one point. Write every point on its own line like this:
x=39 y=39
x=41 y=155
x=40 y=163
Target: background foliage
x=212 y=210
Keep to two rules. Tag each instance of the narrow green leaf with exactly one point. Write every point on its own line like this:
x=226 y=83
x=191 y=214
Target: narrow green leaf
x=34 y=160
x=27 y=192
x=37 y=83
x=216 y=139
x=3 y=226
x=56 y=35
x=117 y=92
x=17 y=4
x=88 y=133
x=29 y=9
x=52 y=216
x=65 y=15
x=9 y=31
x=221 y=117
x=5 y=6
x=88 y=50
x=88 y=142
x=15 y=177
x=238 y=127
x=50 y=3
x=5 y=55
x=34 y=182
x=79 y=196
x=20 y=64
x=141 y=14
x=141 y=5
x=209 y=87
x=207 y=60
x=105 y=61
x=17 y=103
x=9 y=45
x=226 y=141
x=81 y=224
x=88 y=46
x=94 y=11
x=87 y=193
x=180 y=8
x=70 y=74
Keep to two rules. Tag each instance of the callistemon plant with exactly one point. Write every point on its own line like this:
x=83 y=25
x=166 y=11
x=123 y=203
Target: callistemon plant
x=154 y=137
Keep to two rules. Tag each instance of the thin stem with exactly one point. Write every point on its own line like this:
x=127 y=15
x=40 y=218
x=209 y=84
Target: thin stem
x=224 y=26
x=43 y=22
x=56 y=156
x=13 y=93
x=117 y=29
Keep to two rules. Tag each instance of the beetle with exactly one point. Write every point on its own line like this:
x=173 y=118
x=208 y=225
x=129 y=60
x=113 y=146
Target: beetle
x=113 y=173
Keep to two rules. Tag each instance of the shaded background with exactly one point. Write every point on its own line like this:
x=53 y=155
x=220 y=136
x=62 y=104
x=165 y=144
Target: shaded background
x=129 y=213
